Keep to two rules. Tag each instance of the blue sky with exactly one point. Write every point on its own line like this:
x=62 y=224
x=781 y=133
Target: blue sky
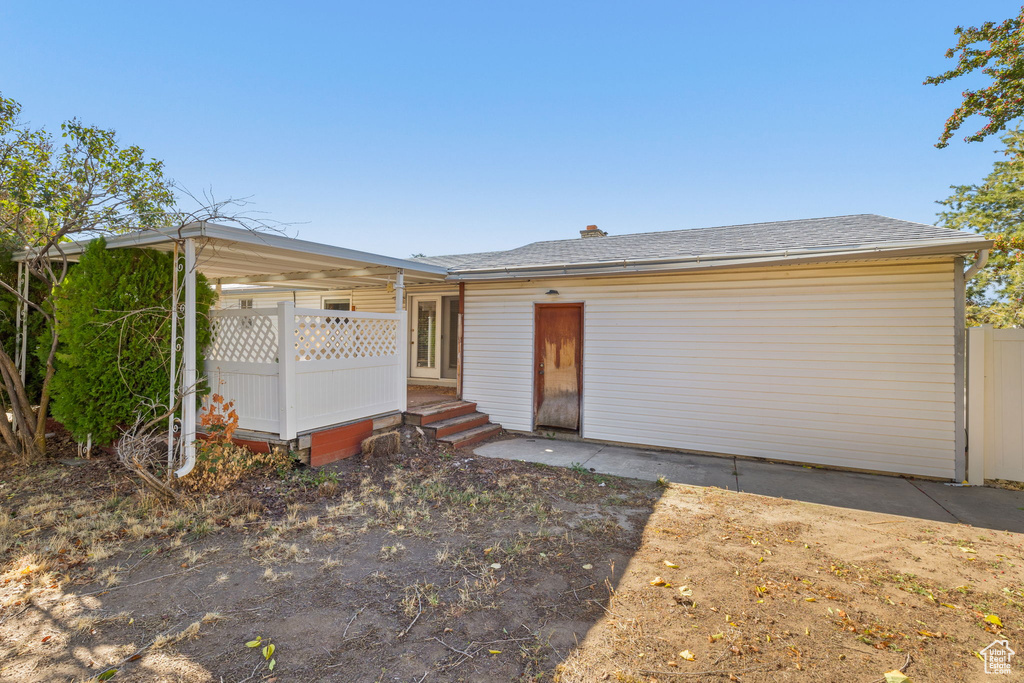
x=447 y=127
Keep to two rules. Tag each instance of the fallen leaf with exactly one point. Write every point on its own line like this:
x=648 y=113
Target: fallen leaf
x=255 y=643
x=993 y=619
x=811 y=599
x=495 y=652
x=268 y=651
x=685 y=591
x=896 y=676
x=967 y=550
x=687 y=655
x=671 y=565
x=496 y=565
x=658 y=581
x=588 y=566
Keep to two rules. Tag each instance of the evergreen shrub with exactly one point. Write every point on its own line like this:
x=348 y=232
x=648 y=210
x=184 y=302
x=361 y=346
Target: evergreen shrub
x=114 y=325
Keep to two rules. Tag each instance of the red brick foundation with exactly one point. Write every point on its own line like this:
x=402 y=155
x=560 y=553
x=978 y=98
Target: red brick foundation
x=338 y=443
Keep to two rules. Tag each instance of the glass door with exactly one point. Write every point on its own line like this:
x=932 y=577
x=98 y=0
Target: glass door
x=426 y=337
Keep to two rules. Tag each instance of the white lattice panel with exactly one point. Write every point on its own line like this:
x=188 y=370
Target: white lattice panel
x=339 y=337
x=249 y=338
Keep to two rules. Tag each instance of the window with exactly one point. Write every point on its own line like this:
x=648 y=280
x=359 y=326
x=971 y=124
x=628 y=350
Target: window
x=342 y=304
x=245 y=303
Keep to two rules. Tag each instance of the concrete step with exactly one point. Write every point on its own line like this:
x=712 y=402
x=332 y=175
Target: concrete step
x=438 y=412
x=470 y=436
x=438 y=430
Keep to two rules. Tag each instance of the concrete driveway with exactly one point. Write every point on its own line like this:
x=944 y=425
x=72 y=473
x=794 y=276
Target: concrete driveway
x=978 y=506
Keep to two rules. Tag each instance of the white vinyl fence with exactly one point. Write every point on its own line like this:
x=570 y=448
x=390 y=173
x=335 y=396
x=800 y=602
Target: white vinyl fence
x=297 y=369
x=995 y=404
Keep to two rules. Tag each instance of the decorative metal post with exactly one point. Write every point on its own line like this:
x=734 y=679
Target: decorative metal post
x=173 y=371
x=188 y=374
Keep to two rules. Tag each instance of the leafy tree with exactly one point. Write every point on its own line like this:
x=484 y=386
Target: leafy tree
x=50 y=193
x=80 y=186
x=995 y=209
x=113 y=313
x=1001 y=58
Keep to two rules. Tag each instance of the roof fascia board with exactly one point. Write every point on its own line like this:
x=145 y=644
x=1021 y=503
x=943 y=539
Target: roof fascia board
x=146 y=238
x=677 y=265
x=294 y=244
x=132 y=239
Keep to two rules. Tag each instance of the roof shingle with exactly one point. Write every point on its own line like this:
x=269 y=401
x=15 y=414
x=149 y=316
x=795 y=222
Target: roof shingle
x=827 y=234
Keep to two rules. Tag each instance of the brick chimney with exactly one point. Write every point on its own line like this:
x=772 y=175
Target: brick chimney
x=593 y=231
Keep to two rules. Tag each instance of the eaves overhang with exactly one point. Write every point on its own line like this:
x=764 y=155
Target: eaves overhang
x=945 y=247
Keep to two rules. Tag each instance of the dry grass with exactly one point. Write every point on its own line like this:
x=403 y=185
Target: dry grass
x=188 y=633
x=273 y=577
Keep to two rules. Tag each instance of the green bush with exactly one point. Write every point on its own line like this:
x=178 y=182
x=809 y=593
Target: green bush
x=113 y=313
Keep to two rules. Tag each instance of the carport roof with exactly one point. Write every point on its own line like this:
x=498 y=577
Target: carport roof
x=238 y=256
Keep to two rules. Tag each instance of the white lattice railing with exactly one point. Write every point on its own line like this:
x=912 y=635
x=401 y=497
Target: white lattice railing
x=297 y=369
x=244 y=336
x=329 y=336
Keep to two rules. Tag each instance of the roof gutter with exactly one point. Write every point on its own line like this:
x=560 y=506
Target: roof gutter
x=884 y=250
x=980 y=261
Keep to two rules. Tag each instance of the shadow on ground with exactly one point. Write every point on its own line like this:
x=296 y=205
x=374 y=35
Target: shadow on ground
x=979 y=506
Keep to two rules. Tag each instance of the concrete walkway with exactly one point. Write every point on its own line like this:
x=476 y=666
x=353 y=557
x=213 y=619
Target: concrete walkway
x=978 y=506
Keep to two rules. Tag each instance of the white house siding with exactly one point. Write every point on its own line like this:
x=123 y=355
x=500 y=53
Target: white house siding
x=367 y=300
x=378 y=300
x=842 y=365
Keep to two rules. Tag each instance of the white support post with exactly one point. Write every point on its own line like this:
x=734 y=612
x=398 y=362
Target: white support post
x=17 y=316
x=23 y=306
x=399 y=290
x=979 y=347
x=286 y=369
x=173 y=369
x=402 y=341
x=188 y=375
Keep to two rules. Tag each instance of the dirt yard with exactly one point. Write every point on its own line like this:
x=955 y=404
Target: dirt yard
x=457 y=568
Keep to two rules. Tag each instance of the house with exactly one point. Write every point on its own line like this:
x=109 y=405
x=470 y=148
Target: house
x=832 y=341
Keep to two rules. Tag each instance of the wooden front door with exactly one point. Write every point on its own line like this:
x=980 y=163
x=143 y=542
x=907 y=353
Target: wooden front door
x=558 y=365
